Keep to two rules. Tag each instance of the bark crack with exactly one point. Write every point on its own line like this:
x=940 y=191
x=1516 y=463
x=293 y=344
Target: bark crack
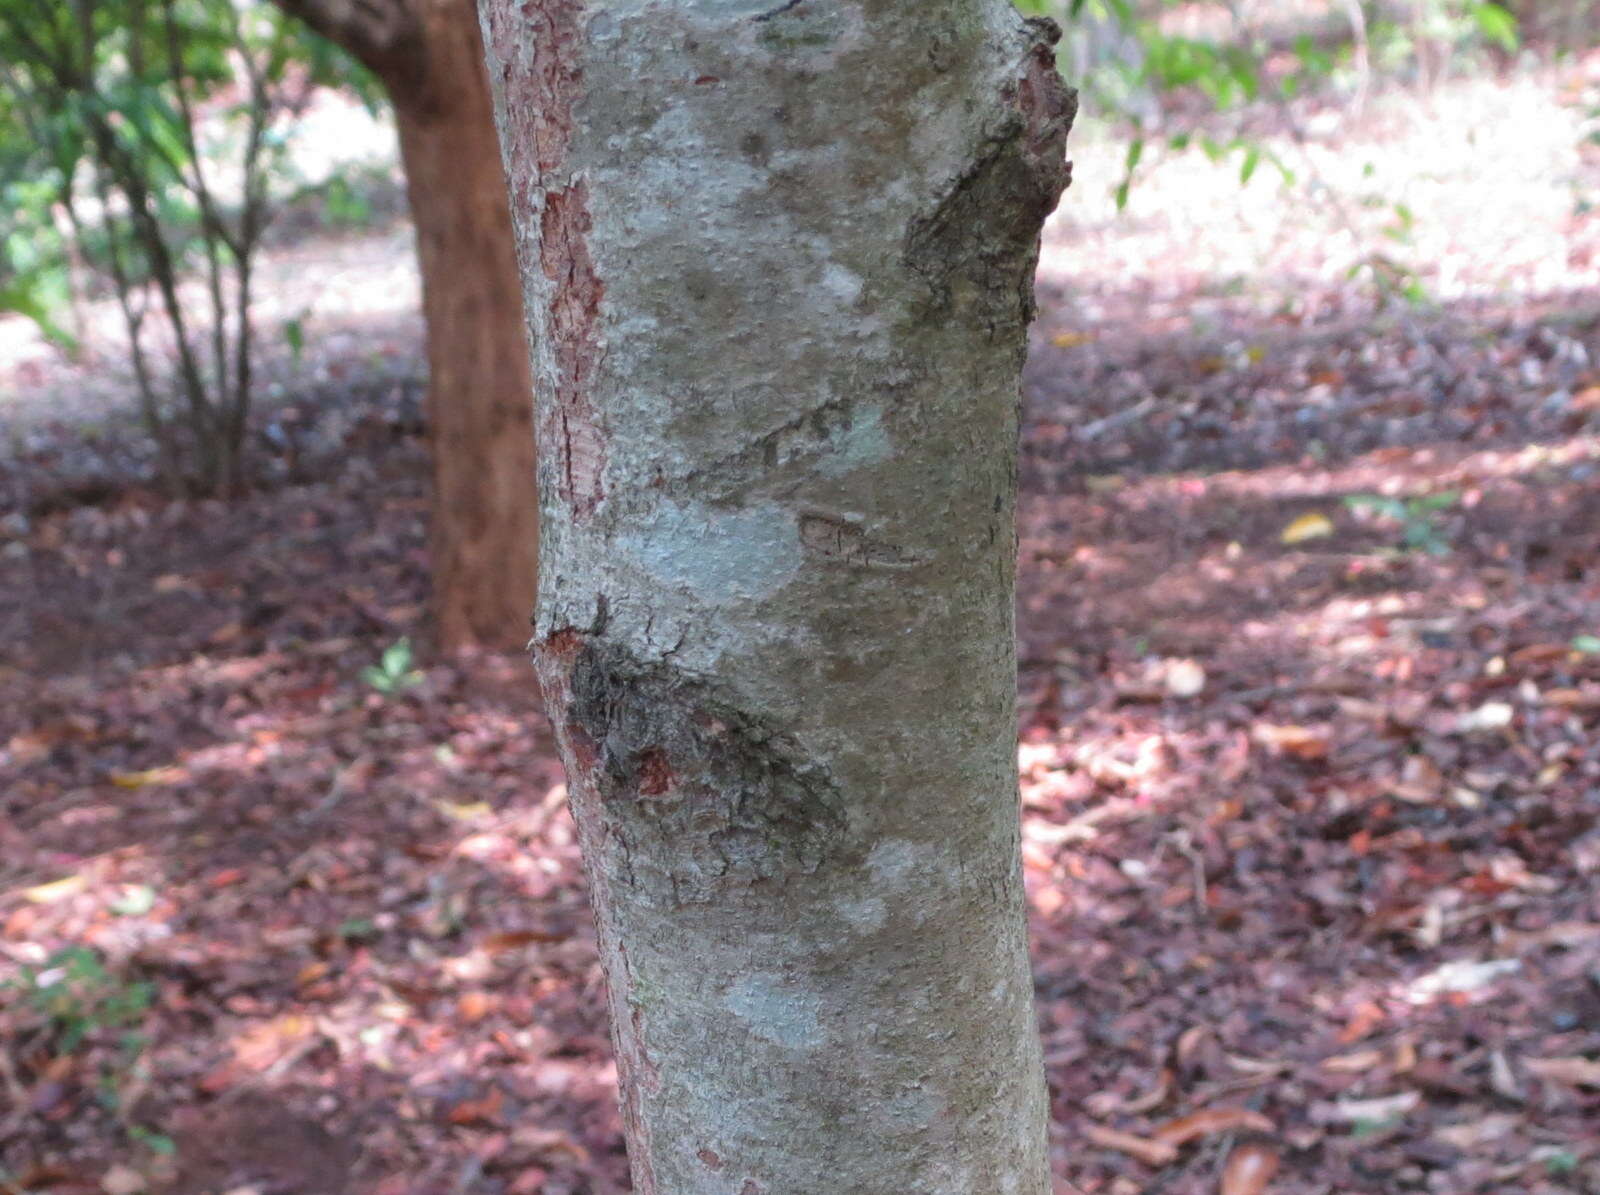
x=839 y=539
x=800 y=440
x=779 y=11
x=537 y=45
x=574 y=337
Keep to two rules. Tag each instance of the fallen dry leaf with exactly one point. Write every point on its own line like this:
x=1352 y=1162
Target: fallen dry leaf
x=1106 y=1103
x=1302 y=742
x=1185 y=678
x=1366 y=1017
x=1578 y=1071
x=1312 y=525
x=480 y=1111
x=1353 y=1064
x=170 y=774
x=1378 y=1109
x=464 y=811
x=122 y=1180
x=1210 y=1121
x=44 y=894
x=500 y=943
x=1491 y=715
x=475 y=1005
x=262 y=1045
x=1461 y=975
x=1151 y=1153
x=1474 y=1134
x=1250 y=1168
x=1572 y=699
x=1257 y=1067
x=311 y=972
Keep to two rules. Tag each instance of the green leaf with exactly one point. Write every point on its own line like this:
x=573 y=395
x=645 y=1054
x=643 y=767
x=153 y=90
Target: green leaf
x=1496 y=24
x=26 y=298
x=1252 y=159
x=1588 y=645
x=153 y=1141
x=1378 y=504
x=1135 y=153
x=397 y=657
x=135 y=901
x=1443 y=500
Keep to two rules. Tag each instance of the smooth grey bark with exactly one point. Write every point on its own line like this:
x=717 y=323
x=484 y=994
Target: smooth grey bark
x=778 y=263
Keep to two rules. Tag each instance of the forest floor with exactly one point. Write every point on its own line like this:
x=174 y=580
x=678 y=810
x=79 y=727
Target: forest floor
x=1311 y=785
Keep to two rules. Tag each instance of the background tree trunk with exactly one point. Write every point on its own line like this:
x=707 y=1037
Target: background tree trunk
x=778 y=262
x=485 y=545
x=485 y=533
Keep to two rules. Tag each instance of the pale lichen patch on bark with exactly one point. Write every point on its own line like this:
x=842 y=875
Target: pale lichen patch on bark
x=739 y=551
x=773 y=1009
x=835 y=436
x=863 y=914
x=812 y=30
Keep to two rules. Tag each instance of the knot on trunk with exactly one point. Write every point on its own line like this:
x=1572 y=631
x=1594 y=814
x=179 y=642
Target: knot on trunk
x=977 y=247
x=1049 y=108
x=690 y=794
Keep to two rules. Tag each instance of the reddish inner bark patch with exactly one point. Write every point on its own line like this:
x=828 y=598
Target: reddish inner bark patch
x=1047 y=104
x=710 y=1158
x=655 y=773
x=568 y=424
x=538 y=47
x=553 y=661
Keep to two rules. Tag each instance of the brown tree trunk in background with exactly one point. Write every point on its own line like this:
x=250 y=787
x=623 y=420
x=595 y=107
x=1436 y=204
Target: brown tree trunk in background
x=485 y=536
x=486 y=511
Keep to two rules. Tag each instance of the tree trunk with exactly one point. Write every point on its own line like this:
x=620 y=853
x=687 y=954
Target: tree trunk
x=485 y=534
x=778 y=265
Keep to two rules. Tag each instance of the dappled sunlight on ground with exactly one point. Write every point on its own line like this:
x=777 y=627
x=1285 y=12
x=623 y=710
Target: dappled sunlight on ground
x=1492 y=172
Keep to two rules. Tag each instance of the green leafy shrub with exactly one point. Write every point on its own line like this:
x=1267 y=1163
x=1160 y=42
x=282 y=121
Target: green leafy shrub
x=393 y=672
x=1170 y=88
x=1418 y=519
x=138 y=143
x=78 y=996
